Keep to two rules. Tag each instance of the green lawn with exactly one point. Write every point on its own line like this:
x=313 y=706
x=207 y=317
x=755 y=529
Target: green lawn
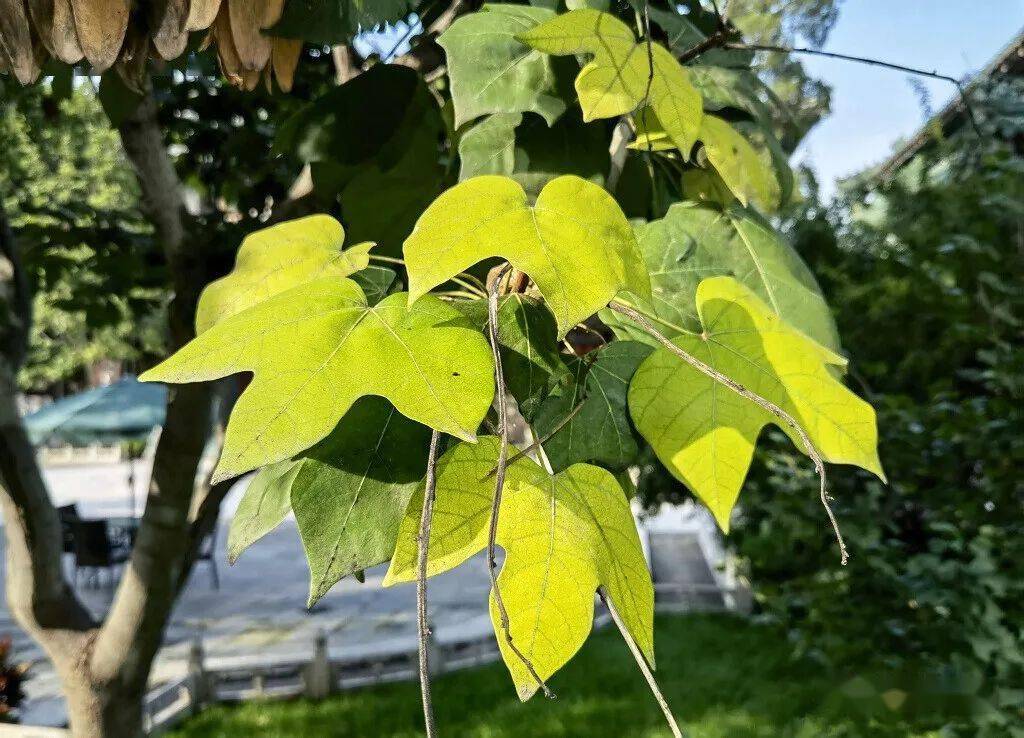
x=724 y=677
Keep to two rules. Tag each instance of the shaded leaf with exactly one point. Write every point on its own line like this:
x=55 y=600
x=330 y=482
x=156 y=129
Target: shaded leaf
x=529 y=346
x=265 y=504
x=573 y=222
x=601 y=431
x=317 y=348
x=493 y=72
x=563 y=536
x=331 y=22
x=377 y=282
x=704 y=433
x=55 y=25
x=489 y=147
x=692 y=243
x=351 y=490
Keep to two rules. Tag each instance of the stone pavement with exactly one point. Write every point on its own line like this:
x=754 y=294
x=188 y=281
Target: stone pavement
x=259 y=610
x=260 y=606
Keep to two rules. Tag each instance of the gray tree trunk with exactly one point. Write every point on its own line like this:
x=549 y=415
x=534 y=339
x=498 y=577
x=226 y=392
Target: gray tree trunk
x=104 y=666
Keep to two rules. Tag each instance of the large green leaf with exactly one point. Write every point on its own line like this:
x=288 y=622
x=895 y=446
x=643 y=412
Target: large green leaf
x=575 y=243
x=317 y=348
x=692 y=243
x=331 y=22
x=276 y=259
x=489 y=147
x=704 y=433
x=339 y=127
x=621 y=77
x=738 y=163
x=349 y=493
x=601 y=431
x=387 y=204
x=493 y=72
x=533 y=153
x=563 y=536
x=265 y=504
x=529 y=346
x=351 y=490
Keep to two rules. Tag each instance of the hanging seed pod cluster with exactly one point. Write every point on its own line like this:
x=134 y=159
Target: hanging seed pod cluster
x=122 y=35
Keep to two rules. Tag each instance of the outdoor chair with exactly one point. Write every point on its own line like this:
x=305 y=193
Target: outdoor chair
x=94 y=551
x=68 y=515
x=207 y=552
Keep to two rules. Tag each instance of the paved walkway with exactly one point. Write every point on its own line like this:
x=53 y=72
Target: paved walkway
x=260 y=606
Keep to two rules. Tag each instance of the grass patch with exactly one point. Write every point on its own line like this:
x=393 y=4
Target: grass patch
x=724 y=677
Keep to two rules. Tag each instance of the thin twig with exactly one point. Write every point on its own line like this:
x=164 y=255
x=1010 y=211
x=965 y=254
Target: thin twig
x=645 y=668
x=423 y=542
x=464 y=279
x=870 y=62
x=819 y=466
x=541 y=441
x=499 y=482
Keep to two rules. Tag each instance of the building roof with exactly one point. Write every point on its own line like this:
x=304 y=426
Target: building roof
x=1009 y=61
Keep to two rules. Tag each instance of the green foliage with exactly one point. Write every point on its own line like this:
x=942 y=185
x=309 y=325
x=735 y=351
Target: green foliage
x=692 y=243
x=73 y=203
x=726 y=677
x=925 y=278
x=349 y=493
x=600 y=431
x=573 y=221
x=276 y=259
x=705 y=433
x=321 y=340
x=624 y=75
x=350 y=374
x=563 y=535
x=493 y=71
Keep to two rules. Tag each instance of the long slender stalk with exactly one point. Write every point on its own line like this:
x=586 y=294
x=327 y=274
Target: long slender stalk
x=819 y=466
x=499 y=482
x=538 y=444
x=641 y=662
x=423 y=544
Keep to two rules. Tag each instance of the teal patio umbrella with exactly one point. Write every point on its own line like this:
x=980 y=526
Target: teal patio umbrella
x=126 y=410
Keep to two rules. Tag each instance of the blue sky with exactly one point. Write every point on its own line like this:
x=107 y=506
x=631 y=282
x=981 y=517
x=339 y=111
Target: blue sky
x=873 y=108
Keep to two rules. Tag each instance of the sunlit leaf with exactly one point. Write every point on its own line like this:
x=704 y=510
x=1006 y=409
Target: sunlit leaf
x=573 y=222
x=624 y=75
x=276 y=259
x=317 y=348
x=563 y=536
x=739 y=164
x=704 y=433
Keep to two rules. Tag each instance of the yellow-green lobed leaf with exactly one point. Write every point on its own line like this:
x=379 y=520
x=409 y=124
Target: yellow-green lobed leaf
x=276 y=259
x=575 y=243
x=316 y=348
x=621 y=77
x=704 y=433
x=563 y=536
x=739 y=165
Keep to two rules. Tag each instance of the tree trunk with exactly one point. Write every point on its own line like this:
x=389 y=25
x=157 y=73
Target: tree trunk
x=98 y=710
x=104 y=667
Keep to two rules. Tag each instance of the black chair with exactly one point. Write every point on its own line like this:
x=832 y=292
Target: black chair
x=207 y=552
x=68 y=515
x=94 y=550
